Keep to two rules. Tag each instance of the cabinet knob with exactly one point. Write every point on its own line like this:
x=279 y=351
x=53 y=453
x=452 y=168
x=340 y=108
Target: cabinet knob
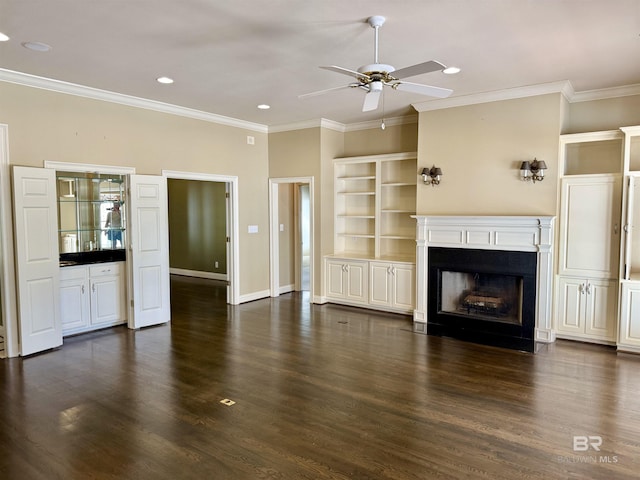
x=83 y=289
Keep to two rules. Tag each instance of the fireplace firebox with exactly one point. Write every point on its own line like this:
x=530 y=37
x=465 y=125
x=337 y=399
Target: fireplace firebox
x=483 y=296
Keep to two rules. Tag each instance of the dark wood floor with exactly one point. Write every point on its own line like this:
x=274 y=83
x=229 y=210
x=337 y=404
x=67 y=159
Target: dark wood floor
x=321 y=392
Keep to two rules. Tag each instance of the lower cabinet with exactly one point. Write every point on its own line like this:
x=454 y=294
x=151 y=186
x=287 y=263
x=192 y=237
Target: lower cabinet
x=388 y=286
x=392 y=285
x=347 y=280
x=629 y=336
x=587 y=309
x=92 y=297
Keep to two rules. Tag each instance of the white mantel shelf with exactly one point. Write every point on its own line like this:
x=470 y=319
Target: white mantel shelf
x=512 y=233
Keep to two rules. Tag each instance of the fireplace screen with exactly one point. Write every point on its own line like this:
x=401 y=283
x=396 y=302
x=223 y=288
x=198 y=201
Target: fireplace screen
x=485 y=296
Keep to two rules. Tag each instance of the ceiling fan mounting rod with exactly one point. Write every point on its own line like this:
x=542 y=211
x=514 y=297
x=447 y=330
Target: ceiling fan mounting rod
x=376 y=22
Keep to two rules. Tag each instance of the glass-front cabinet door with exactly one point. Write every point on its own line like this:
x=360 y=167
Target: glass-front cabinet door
x=91 y=212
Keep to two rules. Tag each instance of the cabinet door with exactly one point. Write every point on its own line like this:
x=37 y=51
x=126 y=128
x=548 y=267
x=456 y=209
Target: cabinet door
x=380 y=284
x=630 y=316
x=571 y=304
x=335 y=271
x=74 y=299
x=589 y=226
x=106 y=300
x=403 y=284
x=601 y=309
x=357 y=281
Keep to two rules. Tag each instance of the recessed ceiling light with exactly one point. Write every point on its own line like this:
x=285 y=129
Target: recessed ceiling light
x=165 y=80
x=36 y=46
x=3 y=37
x=451 y=70
x=264 y=106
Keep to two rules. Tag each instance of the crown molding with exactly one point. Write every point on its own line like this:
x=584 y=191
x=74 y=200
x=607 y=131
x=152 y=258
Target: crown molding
x=605 y=93
x=341 y=127
x=389 y=122
x=59 y=86
x=315 y=123
x=494 y=96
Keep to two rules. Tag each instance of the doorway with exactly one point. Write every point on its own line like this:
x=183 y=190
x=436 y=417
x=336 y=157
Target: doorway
x=291 y=235
x=208 y=249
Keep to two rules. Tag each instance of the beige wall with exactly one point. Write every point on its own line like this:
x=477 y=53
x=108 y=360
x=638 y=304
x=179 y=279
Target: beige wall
x=479 y=149
x=609 y=114
x=44 y=125
x=197 y=225
x=374 y=141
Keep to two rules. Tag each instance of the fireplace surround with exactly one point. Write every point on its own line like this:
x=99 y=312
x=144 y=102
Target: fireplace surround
x=494 y=262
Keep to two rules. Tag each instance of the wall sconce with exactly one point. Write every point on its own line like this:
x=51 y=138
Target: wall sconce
x=533 y=170
x=431 y=175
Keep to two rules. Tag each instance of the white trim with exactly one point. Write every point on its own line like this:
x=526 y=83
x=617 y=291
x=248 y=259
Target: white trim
x=287 y=288
x=274 y=231
x=198 y=274
x=250 y=297
x=89 y=167
x=59 y=86
x=7 y=259
x=233 y=226
x=389 y=122
x=494 y=96
x=605 y=93
x=315 y=123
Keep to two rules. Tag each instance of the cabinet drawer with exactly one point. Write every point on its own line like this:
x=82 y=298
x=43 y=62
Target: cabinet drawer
x=105 y=269
x=73 y=273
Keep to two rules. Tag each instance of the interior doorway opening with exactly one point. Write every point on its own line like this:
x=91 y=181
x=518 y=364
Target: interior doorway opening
x=203 y=228
x=291 y=235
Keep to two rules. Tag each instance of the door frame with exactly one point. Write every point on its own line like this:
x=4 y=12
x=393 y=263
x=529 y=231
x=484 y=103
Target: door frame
x=233 y=259
x=8 y=291
x=274 y=247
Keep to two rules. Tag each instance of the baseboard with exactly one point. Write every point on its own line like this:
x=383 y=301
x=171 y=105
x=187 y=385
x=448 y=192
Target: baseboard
x=199 y=274
x=287 y=289
x=250 y=297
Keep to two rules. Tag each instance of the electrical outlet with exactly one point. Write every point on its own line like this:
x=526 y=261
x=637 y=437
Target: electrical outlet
x=215 y=265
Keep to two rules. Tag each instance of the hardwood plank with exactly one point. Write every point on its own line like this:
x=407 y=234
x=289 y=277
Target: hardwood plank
x=321 y=392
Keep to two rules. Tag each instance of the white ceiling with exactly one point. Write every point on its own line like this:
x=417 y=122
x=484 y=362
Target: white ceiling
x=229 y=56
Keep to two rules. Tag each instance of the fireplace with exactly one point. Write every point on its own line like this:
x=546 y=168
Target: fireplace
x=485 y=296
x=485 y=279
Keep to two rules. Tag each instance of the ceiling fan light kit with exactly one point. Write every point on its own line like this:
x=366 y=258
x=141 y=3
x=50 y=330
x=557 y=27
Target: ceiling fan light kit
x=375 y=76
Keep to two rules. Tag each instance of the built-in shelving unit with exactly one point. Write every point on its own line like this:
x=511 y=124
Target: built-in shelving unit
x=629 y=312
x=91 y=214
x=586 y=298
x=374 y=244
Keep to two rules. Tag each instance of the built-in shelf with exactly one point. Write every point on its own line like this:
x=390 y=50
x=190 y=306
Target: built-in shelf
x=375 y=197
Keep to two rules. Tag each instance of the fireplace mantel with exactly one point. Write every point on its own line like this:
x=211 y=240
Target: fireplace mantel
x=512 y=233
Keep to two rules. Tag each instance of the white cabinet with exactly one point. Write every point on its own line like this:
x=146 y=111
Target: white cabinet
x=74 y=299
x=587 y=287
x=392 y=285
x=347 y=280
x=587 y=309
x=629 y=336
x=92 y=297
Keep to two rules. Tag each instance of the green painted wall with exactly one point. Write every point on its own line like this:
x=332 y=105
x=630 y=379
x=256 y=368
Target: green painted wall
x=197 y=225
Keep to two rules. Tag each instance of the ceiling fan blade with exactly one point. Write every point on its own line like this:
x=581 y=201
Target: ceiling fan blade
x=422 y=89
x=418 y=69
x=346 y=71
x=327 y=90
x=371 y=100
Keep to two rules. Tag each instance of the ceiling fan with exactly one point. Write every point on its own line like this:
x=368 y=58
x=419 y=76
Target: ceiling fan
x=375 y=76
